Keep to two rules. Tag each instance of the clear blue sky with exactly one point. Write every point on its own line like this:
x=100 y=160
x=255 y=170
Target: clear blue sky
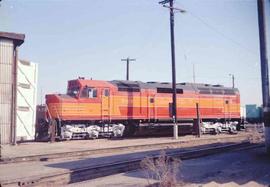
x=69 y=38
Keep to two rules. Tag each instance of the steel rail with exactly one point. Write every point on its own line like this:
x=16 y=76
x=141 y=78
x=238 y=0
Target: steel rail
x=83 y=153
x=87 y=173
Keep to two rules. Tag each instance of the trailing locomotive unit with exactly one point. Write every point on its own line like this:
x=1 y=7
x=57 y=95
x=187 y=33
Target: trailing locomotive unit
x=93 y=107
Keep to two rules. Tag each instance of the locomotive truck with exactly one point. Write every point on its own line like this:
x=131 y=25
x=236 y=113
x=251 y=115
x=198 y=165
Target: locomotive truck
x=94 y=107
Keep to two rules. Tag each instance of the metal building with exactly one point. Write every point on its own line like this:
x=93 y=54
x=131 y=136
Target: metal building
x=254 y=113
x=9 y=43
x=26 y=100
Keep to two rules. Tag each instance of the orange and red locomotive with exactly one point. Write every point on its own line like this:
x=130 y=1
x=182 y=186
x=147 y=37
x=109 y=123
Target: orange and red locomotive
x=130 y=103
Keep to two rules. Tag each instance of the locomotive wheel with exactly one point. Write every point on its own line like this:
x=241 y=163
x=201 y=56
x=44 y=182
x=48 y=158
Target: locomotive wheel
x=238 y=126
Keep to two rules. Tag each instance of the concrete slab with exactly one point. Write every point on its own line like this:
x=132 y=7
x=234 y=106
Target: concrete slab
x=35 y=170
x=40 y=148
x=239 y=168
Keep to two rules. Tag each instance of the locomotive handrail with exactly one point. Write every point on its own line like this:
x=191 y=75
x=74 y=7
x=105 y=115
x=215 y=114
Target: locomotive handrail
x=109 y=97
x=155 y=108
x=50 y=116
x=57 y=115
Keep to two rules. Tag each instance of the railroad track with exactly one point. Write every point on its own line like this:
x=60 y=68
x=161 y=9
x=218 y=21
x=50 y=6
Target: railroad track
x=85 y=153
x=87 y=173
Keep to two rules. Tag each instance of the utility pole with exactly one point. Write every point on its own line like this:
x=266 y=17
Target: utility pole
x=264 y=71
x=0 y=148
x=128 y=60
x=41 y=96
x=198 y=120
x=174 y=105
x=232 y=75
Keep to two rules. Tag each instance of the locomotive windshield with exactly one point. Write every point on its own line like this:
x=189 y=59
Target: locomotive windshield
x=73 y=92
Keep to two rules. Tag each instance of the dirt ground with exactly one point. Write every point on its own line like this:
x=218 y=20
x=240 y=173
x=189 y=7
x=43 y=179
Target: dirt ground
x=239 y=168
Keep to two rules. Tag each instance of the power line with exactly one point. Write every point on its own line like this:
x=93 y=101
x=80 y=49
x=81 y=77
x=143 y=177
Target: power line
x=221 y=33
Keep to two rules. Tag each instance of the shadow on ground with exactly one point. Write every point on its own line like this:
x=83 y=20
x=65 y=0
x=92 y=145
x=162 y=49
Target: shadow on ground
x=203 y=170
x=233 y=168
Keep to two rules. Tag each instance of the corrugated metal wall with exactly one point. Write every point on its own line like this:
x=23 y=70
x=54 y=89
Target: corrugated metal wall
x=6 y=80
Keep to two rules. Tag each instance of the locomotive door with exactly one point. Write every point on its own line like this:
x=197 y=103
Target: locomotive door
x=105 y=104
x=151 y=107
x=227 y=113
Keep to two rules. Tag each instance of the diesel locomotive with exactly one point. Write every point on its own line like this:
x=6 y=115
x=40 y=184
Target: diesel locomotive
x=92 y=107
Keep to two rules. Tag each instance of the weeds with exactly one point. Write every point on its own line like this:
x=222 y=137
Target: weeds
x=164 y=169
x=256 y=138
x=257 y=135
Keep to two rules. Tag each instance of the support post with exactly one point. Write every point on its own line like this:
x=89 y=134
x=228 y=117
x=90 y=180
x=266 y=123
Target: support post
x=198 y=120
x=264 y=71
x=127 y=70
x=14 y=97
x=233 y=81
x=174 y=103
x=0 y=148
x=174 y=111
x=232 y=75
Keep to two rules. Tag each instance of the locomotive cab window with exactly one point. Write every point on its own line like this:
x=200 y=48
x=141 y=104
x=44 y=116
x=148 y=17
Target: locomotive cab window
x=106 y=93
x=93 y=93
x=73 y=92
x=89 y=92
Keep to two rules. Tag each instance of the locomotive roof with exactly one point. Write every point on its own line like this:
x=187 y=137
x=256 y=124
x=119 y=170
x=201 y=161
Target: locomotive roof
x=184 y=86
